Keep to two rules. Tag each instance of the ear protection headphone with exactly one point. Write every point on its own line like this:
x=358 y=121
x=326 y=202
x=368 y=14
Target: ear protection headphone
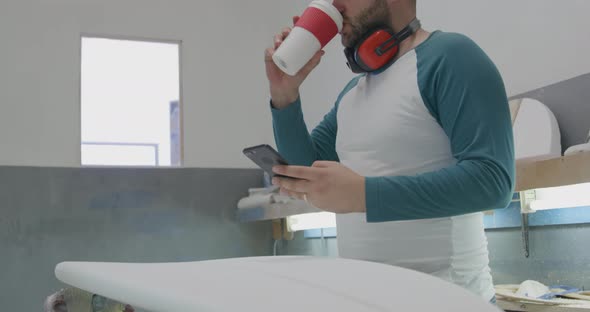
x=377 y=48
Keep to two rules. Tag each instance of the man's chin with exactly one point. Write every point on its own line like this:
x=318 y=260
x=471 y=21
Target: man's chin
x=345 y=42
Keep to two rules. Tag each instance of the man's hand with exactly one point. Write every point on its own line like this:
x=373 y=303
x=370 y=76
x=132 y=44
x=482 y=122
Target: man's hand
x=284 y=89
x=327 y=185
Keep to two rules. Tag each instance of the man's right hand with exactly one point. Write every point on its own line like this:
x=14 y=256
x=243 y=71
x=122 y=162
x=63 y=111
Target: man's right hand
x=284 y=89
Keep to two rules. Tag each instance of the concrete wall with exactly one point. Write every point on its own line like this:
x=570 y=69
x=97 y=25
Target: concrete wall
x=50 y=215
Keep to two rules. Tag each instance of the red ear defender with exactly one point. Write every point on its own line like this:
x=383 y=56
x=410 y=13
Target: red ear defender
x=377 y=48
x=369 y=51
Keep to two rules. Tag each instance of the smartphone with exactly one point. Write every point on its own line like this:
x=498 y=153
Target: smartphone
x=265 y=157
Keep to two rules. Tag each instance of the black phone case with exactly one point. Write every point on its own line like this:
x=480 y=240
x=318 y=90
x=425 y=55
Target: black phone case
x=265 y=157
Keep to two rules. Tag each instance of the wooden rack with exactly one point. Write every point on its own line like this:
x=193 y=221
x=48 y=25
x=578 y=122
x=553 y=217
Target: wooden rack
x=534 y=173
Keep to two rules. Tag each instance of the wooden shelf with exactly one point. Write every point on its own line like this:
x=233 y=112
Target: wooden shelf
x=533 y=173
x=275 y=211
x=531 y=307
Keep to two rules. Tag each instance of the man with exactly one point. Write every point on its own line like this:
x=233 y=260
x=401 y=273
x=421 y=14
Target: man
x=410 y=155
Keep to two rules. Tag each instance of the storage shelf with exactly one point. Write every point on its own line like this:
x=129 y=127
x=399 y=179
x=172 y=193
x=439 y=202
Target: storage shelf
x=531 y=173
x=275 y=211
x=534 y=173
x=530 y=307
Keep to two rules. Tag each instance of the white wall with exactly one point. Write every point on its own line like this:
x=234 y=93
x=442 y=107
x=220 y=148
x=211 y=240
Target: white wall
x=534 y=43
x=224 y=87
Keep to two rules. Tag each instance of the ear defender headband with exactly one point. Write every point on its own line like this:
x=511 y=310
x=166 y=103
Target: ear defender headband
x=377 y=48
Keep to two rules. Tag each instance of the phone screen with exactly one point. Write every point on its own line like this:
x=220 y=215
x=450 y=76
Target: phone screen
x=265 y=157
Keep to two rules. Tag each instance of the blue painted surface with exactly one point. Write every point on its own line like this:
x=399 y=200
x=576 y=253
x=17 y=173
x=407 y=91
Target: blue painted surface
x=510 y=217
x=503 y=218
x=578 y=215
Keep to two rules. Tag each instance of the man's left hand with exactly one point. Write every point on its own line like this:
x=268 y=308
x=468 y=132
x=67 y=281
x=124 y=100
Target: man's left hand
x=327 y=185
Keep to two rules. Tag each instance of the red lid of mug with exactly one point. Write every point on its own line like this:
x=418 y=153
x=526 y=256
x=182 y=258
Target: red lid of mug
x=319 y=23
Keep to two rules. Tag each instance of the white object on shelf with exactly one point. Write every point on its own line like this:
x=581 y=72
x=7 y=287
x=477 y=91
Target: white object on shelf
x=569 y=196
x=524 y=297
x=536 y=132
x=531 y=289
x=577 y=149
x=254 y=201
x=526 y=198
x=258 y=197
x=262 y=205
x=291 y=284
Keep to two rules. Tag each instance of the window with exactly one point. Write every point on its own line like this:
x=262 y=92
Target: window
x=569 y=196
x=130 y=103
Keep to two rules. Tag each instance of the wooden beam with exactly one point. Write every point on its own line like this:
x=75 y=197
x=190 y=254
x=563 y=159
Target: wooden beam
x=531 y=307
x=540 y=173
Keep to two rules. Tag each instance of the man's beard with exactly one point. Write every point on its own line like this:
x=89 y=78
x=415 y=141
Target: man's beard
x=376 y=15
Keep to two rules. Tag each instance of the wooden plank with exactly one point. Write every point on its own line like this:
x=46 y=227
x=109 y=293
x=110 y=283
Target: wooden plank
x=529 y=307
x=541 y=173
x=275 y=211
x=277 y=229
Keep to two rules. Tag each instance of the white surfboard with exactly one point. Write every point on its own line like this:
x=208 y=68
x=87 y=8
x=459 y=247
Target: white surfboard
x=284 y=283
x=536 y=131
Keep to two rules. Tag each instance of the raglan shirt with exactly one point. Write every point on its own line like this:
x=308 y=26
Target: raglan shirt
x=432 y=136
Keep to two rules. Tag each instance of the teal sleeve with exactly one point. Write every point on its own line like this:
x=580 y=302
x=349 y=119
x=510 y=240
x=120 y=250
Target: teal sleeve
x=296 y=144
x=463 y=90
